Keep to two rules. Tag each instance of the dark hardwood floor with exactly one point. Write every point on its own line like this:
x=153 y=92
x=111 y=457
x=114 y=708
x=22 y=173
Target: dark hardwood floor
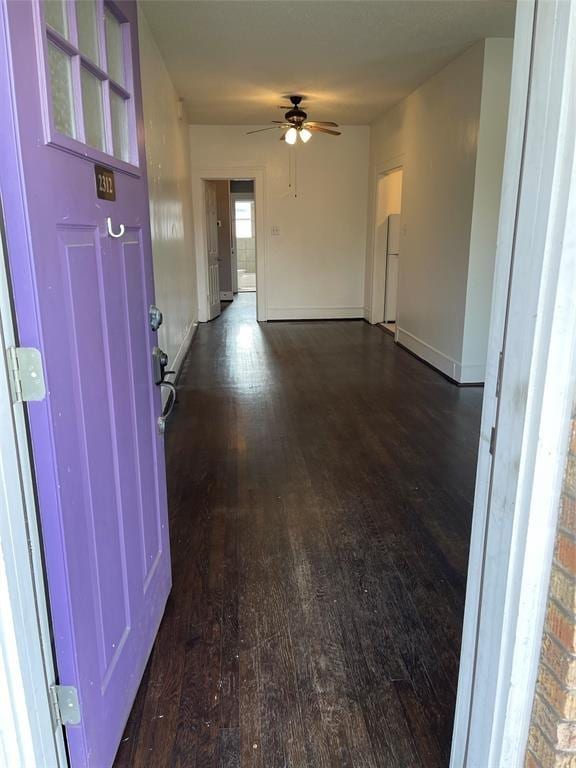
x=320 y=483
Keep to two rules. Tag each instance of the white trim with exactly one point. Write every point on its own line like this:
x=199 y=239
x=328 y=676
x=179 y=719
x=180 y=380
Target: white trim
x=226 y=295
x=258 y=175
x=176 y=364
x=517 y=496
x=505 y=240
x=315 y=313
x=27 y=737
x=184 y=347
x=460 y=372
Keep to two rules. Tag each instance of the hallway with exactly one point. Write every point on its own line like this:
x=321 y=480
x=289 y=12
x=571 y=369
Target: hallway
x=320 y=486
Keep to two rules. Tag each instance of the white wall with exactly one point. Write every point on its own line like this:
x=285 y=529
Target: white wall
x=489 y=165
x=167 y=155
x=435 y=135
x=315 y=266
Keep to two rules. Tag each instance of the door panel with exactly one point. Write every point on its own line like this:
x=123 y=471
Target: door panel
x=391 y=299
x=82 y=296
x=212 y=247
x=107 y=564
x=139 y=356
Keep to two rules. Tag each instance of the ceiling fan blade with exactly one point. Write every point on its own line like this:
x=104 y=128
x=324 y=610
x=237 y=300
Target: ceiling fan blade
x=319 y=122
x=259 y=130
x=283 y=137
x=280 y=122
x=323 y=130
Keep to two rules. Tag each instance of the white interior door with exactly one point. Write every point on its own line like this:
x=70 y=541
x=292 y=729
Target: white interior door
x=391 y=301
x=392 y=267
x=212 y=248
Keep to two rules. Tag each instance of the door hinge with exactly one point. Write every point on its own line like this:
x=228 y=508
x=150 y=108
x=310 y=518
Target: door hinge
x=499 y=376
x=492 y=440
x=65 y=705
x=26 y=374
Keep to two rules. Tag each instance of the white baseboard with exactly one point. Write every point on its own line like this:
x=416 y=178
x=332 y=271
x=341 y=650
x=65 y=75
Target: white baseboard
x=176 y=364
x=226 y=296
x=463 y=374
x=315 y=313
x=183 y=349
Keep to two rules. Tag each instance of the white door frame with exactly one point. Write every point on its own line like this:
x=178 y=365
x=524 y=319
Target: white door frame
x=258 y=175
x=534 y=322
x=516 y=496
x=377 y=285
x=27 y=735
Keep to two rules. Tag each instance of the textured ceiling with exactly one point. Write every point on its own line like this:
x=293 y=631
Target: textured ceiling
x=232 y=60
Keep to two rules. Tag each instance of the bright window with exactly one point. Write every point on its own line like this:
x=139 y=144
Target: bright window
x=244 y=219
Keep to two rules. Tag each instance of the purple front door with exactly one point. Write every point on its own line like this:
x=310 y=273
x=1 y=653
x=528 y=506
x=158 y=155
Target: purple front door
x=70 y=90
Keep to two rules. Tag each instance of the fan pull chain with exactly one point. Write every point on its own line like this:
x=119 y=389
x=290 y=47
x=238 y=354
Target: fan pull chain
x=292 y=173
x=295 y=173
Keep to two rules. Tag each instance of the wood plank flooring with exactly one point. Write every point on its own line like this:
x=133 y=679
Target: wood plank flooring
x=320 y=483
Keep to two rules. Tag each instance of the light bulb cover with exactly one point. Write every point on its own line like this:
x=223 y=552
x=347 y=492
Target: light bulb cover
x=291 y=136
x=305 y=135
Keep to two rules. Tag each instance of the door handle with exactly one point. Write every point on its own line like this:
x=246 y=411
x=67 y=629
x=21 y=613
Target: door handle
x=169 y=405
x=111 y=231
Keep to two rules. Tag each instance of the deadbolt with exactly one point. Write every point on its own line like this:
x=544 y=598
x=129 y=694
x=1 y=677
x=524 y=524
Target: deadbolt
x=155 y=317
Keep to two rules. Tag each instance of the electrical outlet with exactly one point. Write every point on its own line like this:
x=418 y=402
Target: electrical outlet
x=275 y=230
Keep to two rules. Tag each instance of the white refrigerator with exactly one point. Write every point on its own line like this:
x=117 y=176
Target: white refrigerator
x=392 y=256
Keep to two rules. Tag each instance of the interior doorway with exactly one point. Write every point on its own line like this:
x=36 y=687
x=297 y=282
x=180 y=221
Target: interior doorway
x=230 y=241
x=228 y=289
x=387 y=246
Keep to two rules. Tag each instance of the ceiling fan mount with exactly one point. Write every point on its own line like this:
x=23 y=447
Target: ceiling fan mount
x=294 y=114
x=296 y=123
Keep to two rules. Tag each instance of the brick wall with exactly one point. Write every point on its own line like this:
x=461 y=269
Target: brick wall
x=552 y=739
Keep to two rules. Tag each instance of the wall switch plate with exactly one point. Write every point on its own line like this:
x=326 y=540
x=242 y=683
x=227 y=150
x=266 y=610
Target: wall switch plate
x=275 y=230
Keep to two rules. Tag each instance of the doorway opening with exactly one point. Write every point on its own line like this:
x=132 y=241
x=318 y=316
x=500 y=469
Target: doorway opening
x=387 y=239
x=243 y=229
x=230 y=215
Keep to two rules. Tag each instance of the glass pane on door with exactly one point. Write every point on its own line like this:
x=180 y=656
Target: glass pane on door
x=93 y=112
x=88 y=30
x=114 y=48
x=55 y=12
x=120 y=135
x=60 y=69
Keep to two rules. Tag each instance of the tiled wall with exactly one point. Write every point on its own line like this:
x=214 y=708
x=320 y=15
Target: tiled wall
x=246 y=253
x=552 y=739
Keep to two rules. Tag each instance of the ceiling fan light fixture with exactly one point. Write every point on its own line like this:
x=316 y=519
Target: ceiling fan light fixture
x=291 y=136
x=305 y=135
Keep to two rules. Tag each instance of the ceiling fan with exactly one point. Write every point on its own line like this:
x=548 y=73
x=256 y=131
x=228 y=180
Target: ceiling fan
x=296 y=124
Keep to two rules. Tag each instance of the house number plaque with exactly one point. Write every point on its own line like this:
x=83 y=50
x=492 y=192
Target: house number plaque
x=105 y=186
